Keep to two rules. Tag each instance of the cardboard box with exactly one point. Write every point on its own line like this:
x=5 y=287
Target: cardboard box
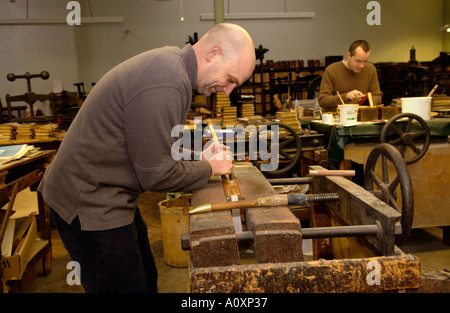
x=13 y=266
x=367 y=114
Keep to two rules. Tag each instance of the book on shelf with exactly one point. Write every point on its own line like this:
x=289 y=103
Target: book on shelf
x=45 y=131
x=15 y=152
x=7 y=131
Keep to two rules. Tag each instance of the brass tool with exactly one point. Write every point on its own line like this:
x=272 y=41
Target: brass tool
x=268 y=201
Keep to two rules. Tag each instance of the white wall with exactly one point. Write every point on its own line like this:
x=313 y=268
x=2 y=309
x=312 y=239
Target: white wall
x=35 y=48
x=85 y=53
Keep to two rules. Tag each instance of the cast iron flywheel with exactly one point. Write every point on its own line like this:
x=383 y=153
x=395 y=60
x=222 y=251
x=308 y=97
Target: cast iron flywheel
x=377 y=180
x=392 y=134
x=289 y=149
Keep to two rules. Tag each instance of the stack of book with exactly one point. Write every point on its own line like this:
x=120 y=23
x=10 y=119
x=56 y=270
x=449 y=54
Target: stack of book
x=248 y=109
x=45 y=131
x=7 y=132
x=25 y=131
x=289 y=118
x=224 y=110
x=440 y=103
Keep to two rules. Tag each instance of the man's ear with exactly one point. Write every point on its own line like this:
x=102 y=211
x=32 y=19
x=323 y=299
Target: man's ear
x=214 y=51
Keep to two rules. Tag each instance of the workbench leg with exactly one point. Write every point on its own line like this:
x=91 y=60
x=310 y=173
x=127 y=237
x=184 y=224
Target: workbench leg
x=44 y=220
x=446 y=235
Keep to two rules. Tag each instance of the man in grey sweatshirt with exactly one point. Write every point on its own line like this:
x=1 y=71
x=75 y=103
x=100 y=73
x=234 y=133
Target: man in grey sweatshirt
x=119 y=145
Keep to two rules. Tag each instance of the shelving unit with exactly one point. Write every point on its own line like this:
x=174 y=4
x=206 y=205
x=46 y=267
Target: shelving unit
x=285 y=79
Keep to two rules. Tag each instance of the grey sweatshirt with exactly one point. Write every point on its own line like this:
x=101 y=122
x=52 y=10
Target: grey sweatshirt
x=119 y=144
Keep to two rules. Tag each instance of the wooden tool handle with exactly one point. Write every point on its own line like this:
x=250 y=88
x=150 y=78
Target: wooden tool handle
x=275 y=200
x=369 y=95
x=233 y=205
x=213 y=132
x=331 y=173
x=432 y=91
x=215 y=141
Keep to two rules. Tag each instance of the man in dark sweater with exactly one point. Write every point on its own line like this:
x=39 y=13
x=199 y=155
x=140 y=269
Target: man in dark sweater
x=352 y=78
x=119 y=145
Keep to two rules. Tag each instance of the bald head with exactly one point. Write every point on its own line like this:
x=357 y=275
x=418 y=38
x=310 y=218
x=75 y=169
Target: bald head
x=225 y=58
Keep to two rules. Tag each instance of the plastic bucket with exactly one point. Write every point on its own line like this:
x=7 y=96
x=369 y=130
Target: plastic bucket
x=348 y=113
x=173 y=224
x=417 y=105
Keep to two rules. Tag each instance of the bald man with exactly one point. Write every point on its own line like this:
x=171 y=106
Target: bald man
x=119 y=145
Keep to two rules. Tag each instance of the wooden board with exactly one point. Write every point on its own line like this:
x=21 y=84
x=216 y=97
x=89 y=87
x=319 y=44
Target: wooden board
x=323 y=276
x=357 y=206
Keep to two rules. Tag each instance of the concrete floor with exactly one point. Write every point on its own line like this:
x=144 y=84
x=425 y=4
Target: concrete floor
x=426 y=244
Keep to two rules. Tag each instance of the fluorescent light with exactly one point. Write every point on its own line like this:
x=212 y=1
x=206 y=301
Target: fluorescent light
x=445 y=28
x=259 y=16
x=39 y=21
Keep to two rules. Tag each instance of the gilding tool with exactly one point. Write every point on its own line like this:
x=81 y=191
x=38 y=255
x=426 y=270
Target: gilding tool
x=268 y=201
x=231 y=187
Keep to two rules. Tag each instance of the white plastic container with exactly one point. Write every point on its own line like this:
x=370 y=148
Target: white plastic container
x=327 y=118
x=417 y=105
x=348 y=113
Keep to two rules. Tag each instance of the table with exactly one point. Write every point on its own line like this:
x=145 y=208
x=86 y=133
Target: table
x=430 y=175
x=338 y=136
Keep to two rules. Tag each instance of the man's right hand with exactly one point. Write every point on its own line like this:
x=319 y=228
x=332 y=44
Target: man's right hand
x=221 y=163
x=354 y=94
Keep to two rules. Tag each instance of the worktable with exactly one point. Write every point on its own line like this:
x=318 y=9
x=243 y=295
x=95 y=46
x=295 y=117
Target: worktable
x=27 y=173
x=45 y=143
x=350 y=146
x=337 y=137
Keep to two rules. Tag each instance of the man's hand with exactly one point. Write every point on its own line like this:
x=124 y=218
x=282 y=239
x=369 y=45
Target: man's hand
x=221 y=163
x=219 y=158
x=354 y=94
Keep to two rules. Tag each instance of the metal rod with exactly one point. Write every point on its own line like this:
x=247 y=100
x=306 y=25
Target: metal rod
x=290 y=181
x=321 y=197
x=327 y=232
x=311 y=233
x=340 y=231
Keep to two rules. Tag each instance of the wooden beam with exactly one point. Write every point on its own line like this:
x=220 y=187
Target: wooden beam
x=324 y=276
x=357 y=206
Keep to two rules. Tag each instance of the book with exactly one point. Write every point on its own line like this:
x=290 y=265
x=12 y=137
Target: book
x=13 y=152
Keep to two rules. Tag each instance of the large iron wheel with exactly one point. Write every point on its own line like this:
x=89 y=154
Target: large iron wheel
x=385 y=188
x=289 y=150
x=391 y=134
